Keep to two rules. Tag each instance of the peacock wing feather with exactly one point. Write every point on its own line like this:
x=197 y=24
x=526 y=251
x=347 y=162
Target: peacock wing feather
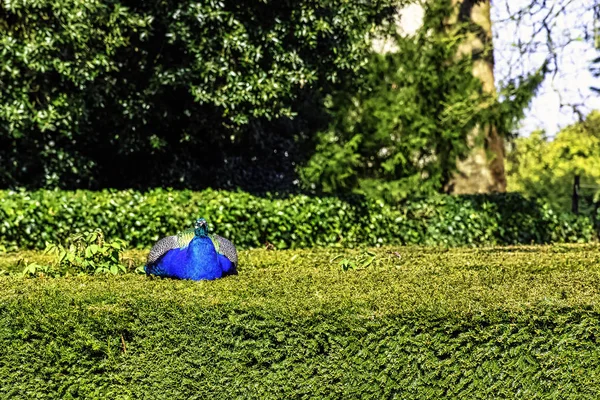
x=225 y=247
x=161 y=247
x=215 y=242
x=179 y=241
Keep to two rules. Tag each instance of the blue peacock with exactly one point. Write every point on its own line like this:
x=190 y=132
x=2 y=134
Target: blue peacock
x=193 y=254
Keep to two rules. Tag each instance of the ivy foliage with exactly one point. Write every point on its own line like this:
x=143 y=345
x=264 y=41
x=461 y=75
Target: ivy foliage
x=403 y=135
x=118 y=93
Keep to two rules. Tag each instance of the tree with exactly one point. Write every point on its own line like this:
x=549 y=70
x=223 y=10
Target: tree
x=558 y=33
x=545 y=169
x=404 y=135
x=483 y=170
x=188 y=93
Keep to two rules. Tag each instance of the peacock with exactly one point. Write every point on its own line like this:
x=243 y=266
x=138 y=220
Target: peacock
x=193 y=254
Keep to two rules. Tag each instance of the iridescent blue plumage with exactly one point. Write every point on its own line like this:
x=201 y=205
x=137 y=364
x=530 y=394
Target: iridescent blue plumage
x=196 y=258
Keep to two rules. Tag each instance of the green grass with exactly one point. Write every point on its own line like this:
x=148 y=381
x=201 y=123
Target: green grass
x=514 y=322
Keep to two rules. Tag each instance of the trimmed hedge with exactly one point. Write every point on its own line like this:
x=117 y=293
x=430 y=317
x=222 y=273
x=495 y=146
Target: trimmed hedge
x=419 y=324
x=29 y=219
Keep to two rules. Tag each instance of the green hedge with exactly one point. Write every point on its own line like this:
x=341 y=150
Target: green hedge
x=419 y=324
x=29 y=219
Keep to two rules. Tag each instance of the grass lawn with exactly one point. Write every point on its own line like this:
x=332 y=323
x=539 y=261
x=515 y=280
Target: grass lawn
x=513 y=322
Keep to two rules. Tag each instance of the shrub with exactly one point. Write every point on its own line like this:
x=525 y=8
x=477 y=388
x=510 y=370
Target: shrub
x=89 y=253
x=30 y=219
x=419 y=324
x=86 y=254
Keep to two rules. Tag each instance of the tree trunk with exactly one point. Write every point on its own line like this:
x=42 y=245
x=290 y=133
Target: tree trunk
x=483 y=170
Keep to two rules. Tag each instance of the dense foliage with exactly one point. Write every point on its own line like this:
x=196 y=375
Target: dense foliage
x=419 y=324
x=404 y=133
x=30 y=219
x=125 y=93
x=545 y=168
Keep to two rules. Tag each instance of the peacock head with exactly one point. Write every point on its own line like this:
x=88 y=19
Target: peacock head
x=201 y=227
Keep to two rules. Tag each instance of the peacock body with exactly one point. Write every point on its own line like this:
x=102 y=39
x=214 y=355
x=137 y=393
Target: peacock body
x=193 y=254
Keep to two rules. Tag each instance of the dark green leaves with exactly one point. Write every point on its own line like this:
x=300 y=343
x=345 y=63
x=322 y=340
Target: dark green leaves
x=136 y=80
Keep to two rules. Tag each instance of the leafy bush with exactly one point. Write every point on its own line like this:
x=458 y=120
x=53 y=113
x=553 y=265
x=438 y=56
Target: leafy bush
x=420 y=324
x=86 y=254
x=30 y=219
x=89 y=253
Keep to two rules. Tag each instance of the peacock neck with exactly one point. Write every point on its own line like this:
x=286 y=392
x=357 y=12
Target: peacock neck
x=202 y=243
x=201 y=232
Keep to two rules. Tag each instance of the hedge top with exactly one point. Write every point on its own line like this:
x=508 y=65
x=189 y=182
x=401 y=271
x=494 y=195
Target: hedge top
x=415 y=280
x=407 y=323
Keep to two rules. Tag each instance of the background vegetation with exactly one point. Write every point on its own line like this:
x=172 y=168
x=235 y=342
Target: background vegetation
x=126 y=94
x=545 y=169
x=403 y=135
x=273 y=96
x=33 y=219
x=270 y=96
